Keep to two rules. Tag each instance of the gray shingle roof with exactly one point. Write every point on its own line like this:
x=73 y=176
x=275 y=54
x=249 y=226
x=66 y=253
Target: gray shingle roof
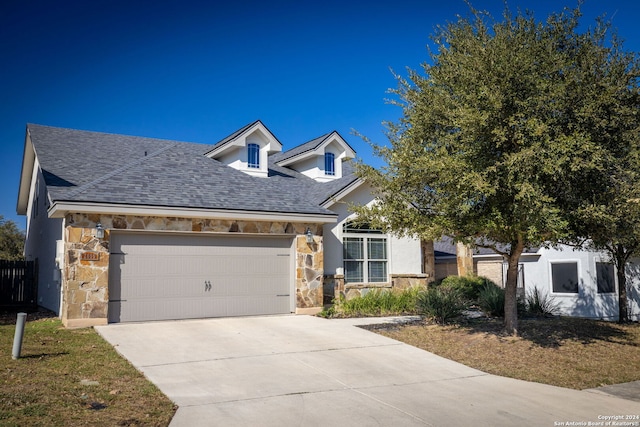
x=83 y=166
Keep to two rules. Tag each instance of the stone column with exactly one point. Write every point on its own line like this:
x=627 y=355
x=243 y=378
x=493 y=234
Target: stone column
x=464 y=256
x=309 y=275
x=428 y=260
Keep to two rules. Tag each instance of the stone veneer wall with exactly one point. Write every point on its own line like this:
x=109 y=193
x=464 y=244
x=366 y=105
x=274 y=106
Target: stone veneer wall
x=86 y=283
x=335 y=287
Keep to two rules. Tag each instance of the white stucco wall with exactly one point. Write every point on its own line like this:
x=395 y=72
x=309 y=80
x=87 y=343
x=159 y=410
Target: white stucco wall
x=404 y=254
x=587 y=302
x=42 y=234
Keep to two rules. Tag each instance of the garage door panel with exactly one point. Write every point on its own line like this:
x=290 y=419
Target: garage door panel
x=156 y=276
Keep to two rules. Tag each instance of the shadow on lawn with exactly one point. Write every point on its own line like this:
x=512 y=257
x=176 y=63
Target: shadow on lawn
x=553 y=332
x=9 y=317
x=44 y=355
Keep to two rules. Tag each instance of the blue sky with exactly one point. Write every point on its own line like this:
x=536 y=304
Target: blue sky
x=197 y=70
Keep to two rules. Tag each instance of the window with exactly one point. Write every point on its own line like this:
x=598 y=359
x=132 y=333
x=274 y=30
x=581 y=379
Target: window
x=365 y=254
x=605 y=277
x=564 y=277
x=329 y=164
x=253 y=155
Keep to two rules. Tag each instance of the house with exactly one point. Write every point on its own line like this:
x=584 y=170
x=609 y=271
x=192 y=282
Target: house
x=128 y=228
x=580 y=283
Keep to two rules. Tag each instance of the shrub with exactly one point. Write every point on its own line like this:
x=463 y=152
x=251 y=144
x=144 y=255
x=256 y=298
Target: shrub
x=441 y=303
x=540 y=304
x=469 y=286
x=378 y=302
x=491 y=300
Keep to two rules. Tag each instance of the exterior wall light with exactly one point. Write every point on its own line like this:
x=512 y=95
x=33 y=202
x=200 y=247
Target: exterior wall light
x=99 y=231
x=309 y=235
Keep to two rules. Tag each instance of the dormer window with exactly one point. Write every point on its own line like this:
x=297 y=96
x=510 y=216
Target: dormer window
x=247 y=149
x=329 y=164
x=253 y=156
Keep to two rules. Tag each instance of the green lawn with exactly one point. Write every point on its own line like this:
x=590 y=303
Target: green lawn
x=72 y=377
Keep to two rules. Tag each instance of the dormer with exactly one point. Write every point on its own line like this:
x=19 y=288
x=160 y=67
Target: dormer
x=320 y=158
x=247 y=149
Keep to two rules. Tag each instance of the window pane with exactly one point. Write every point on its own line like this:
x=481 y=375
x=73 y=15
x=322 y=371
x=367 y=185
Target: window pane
x=253 y=156
x=377 y=271
x=329 y=164
x=353 y=271
x=377 y=249
x=565 y=277
x=353 y=248
x=606 y=280
x=352 y=227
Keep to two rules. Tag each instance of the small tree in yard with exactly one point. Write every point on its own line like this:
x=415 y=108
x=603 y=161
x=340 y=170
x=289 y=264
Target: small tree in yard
x=488 y=138
x=11 y=240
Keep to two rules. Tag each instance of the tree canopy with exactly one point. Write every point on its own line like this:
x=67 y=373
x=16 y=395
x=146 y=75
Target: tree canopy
x=499 y=130
x=11 y=240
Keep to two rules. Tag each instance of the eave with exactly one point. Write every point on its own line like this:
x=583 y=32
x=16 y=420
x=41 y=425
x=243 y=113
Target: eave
x=26 y=174
x=60 y=209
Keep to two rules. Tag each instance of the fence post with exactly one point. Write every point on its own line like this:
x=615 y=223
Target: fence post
x=17 y=338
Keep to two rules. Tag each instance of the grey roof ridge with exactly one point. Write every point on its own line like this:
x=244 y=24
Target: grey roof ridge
x=114 y=172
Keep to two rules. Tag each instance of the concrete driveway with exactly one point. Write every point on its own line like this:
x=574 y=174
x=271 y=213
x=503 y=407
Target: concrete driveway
x=309 y=371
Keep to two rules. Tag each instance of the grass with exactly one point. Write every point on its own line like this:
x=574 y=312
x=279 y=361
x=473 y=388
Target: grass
x=72 y=377
x=565 y=352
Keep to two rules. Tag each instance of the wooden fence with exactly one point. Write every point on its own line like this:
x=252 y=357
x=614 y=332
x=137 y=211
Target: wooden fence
x=18 y=284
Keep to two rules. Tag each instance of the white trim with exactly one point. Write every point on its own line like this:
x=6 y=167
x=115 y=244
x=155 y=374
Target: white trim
x=579 y=271
x=26 y=174
x=60 y=209
x=348 y=152
x=239 y=140
x=342 y=193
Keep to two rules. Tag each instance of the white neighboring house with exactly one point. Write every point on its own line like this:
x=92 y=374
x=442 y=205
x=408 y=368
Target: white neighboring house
x=130 y=228
x=581 y=283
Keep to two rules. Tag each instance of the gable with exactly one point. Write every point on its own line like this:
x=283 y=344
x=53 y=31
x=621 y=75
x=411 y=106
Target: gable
x=238 y=150
x=311 y=158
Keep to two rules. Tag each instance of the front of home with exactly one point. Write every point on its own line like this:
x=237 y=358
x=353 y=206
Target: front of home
x=130 y=228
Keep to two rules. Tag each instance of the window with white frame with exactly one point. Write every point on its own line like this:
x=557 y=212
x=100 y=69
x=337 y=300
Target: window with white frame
x=253 y=155
x=564 y=277
x=364 y=254
x=605 y=277
x=329 y=164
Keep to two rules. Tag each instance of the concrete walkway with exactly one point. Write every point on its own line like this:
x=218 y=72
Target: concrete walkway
x=309 y=371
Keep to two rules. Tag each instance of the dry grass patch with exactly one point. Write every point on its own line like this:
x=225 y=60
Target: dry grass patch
x=566 y=352
x=73 y=377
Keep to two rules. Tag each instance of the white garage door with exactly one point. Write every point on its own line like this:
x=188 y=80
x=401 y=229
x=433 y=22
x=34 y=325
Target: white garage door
x=169 y=276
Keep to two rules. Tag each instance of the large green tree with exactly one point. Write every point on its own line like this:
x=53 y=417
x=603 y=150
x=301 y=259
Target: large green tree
x=603 y=206
x=488 y=140
x=11 y=240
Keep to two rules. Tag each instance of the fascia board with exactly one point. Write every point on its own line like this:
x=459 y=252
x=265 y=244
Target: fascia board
x=274 y=145
x=349 y=152
x=60 y=209
x=342 y=193
x=26 y=173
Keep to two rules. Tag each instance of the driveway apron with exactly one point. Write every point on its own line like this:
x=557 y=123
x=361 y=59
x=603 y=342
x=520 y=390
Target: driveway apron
x=309 y=371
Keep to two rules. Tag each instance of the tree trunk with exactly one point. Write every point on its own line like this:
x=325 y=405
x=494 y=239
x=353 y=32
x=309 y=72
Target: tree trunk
x=510 y=290
x=621 y=261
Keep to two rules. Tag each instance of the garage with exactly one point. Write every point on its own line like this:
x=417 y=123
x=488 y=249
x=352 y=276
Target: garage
x=164 y=276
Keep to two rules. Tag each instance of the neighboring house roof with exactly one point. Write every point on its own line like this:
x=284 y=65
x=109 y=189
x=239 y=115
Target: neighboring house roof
x=446 y=248
x=83 y=167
